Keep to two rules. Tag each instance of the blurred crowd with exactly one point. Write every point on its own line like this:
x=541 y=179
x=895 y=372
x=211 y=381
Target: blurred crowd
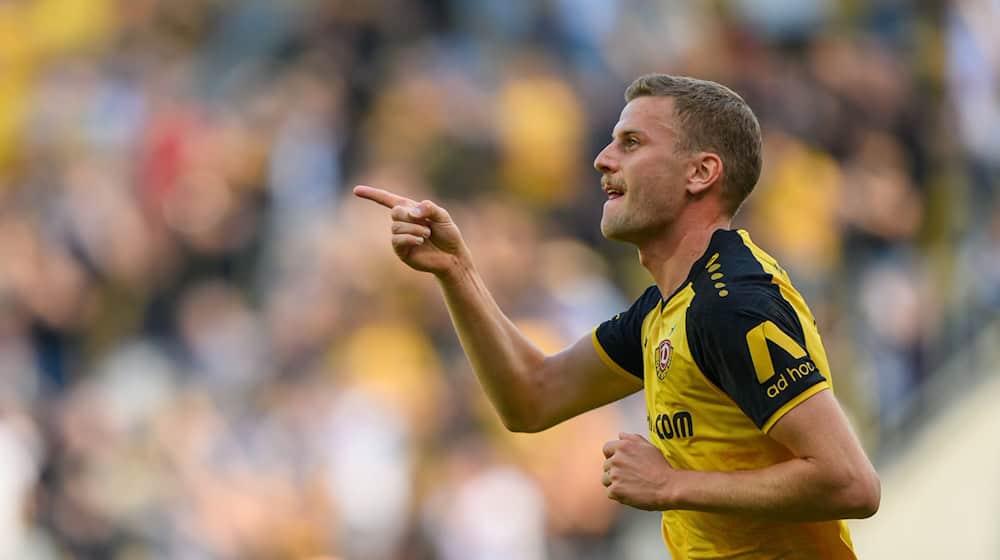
x=208 y=349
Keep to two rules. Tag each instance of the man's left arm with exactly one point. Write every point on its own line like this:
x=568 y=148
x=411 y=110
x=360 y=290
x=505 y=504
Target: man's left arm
x=830 y=477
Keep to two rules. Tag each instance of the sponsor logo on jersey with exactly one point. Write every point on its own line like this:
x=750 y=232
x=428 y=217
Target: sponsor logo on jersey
x=789 y=376
x=664 y=354
x=669 y=426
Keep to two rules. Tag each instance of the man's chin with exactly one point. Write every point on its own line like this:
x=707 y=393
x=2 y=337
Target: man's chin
x=623 y=233
x=614 y=233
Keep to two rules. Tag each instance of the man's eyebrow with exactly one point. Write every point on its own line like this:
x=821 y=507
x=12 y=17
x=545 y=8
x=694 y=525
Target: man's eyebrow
x=626 y=132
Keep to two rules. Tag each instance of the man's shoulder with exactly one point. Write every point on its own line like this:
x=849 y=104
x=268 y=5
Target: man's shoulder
x=638 y=310
x=648 y=300
x=734 y=274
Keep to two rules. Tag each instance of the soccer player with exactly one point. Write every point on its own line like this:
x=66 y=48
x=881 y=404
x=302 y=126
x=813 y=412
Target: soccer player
x=748 y=454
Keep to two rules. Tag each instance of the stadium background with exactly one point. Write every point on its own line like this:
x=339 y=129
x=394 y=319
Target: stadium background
x=208 y=350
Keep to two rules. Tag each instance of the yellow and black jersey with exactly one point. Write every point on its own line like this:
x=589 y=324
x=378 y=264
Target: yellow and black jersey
x=722 y=359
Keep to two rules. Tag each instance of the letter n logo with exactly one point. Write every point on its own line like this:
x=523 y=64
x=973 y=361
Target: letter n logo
x=757 y=342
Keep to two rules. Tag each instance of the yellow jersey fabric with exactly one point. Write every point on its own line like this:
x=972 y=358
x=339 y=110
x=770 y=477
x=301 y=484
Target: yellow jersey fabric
x=722 y=359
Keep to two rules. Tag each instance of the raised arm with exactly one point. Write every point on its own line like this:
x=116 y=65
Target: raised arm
x=530 y=390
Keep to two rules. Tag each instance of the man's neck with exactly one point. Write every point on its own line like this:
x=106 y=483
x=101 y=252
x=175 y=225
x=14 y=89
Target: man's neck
x=669 y=258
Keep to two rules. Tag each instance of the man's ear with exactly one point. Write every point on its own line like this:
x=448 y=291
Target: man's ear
x=704 y=171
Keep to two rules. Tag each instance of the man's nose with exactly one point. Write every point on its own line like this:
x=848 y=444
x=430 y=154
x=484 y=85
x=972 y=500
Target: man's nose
x=604 y=162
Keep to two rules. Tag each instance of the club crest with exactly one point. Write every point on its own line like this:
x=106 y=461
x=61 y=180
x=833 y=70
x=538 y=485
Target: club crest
x=664 y=353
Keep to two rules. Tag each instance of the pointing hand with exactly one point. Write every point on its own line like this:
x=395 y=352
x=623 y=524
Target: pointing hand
x=423 y=234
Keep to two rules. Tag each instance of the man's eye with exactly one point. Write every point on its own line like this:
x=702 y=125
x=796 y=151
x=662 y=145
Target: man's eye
x=631 y=142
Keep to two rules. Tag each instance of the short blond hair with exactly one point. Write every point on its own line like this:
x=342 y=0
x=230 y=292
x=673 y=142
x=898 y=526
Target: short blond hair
x=713 y=118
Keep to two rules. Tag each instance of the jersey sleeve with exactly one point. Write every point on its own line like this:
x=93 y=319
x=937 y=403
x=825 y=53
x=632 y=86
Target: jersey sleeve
x=754 y=348
x=618 y=341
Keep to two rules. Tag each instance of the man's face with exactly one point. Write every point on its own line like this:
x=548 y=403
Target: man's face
x=641 y=171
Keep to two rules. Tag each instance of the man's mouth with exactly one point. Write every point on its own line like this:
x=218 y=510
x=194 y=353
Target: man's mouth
x=613 y=191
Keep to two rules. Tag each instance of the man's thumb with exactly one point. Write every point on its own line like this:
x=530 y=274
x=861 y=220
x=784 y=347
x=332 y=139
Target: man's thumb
x=432 y=212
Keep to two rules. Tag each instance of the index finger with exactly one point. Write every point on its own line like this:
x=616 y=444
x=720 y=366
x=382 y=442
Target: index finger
x=383 y=197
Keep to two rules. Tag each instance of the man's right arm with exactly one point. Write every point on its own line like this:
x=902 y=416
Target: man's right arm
x=531 y=390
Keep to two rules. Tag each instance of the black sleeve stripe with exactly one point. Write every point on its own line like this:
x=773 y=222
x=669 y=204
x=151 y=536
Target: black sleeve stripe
x=750 y=343
x=621 y=336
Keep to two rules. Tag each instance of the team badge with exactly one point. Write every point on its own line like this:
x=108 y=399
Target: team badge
x=664 y=353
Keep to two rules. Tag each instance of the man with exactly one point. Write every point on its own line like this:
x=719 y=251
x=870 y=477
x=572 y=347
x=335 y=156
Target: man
x=749 y=454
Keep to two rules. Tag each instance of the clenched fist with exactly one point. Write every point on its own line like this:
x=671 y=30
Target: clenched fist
x=636 y=473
